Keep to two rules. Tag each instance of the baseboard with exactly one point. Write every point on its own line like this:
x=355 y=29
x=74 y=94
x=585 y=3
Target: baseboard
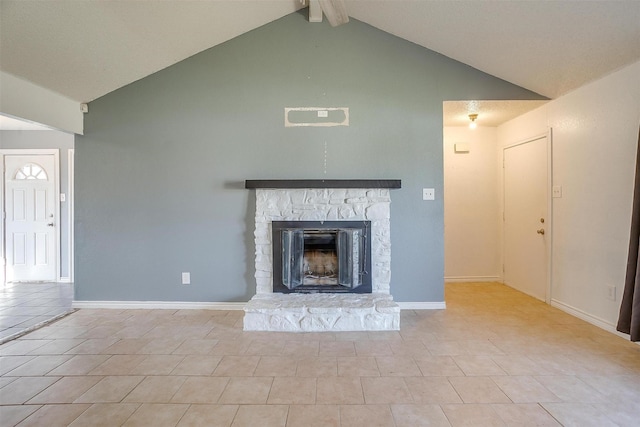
x=65 y=280
x=171 y=305
x=594 y=320
x=422 y=305
x=467 y=279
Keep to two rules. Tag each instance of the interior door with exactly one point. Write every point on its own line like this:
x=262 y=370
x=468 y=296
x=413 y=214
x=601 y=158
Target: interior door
x=30 y=218
x=526 y=222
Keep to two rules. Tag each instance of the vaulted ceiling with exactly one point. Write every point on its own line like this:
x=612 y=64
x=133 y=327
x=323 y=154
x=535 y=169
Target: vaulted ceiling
x=86 y=49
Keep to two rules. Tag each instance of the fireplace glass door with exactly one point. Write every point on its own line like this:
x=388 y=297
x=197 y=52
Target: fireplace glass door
x=329 y=258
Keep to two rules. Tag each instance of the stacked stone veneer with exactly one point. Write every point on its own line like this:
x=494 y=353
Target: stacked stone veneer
x=291 y=312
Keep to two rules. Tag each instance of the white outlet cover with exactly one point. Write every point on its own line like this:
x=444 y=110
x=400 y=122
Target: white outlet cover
x=557 y=191
x=186 y=278
x=428 y=194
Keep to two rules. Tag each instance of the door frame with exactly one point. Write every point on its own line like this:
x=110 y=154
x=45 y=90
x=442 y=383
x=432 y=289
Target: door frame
x=549 y=184
x=56 y=183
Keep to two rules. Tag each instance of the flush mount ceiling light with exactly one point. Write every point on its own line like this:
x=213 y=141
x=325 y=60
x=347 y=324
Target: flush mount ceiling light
x=473 y=123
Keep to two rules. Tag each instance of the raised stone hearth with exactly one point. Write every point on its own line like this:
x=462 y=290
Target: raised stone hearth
x=269 y=311
x=321 y=312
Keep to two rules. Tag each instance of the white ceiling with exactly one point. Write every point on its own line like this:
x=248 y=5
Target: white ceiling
x=86 y=49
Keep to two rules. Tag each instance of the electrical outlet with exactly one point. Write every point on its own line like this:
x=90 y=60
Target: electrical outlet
x=428 y=194
x=186 y=278
x=611 y=292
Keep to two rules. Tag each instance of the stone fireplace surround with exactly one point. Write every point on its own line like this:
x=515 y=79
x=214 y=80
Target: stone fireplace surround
x=323 y=200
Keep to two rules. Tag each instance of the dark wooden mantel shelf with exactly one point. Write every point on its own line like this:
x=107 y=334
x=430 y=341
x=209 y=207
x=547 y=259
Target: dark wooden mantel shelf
x=321 y=183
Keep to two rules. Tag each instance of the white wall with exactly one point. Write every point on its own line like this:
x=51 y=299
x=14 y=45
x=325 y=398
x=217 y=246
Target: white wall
x=25 y=100
x=471 y=206
x=595 y=136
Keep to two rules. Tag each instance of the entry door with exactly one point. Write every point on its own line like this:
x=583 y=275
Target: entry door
x=30 y=224
x=526 y=225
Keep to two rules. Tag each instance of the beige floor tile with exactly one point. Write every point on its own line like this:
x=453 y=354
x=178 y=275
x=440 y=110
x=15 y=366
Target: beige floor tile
x=578 y=414
x=105 y=415
x=6 y=380
x=475 y=415
x=161 y=345
x=385 y=390
x=525 y=414
x=397 y=366
x=301 y=348
x=478 y=390
x=38 y=366
x=520 y=365
x=571 y=389
x=126 y=346
x=337 y=348
x=407 y=347
x=373 y=348
x=261 y=415
x=22 y=346
x=24 y=388
x=265 y=348
x=209 y=416
x=229 y=347
x=313 y=416
x=524 y=389
x=419 y=415
x=80 y=364
x=110 y=389
x=197 y=365
x=359 y=366
x=293 y=391
x=59 y=346
x=447 y=348
x=246 y=391
x=9 y=363
x=155 y=389
x=437 y=366
x=321 y=366
x=157 y=364
x=432 y=390
x=366 y=416
x=93 y=346
x=276 y=366
x=237 y=366
x=156 y=414
x=120 y=364
x=339 y=391
x=205 y=390
x=65 y=390
x=474 y=365
x=11 y=415
x=196 y=346
x=54 y=415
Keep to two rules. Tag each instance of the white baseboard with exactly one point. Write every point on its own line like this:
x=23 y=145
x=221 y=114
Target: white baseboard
x=65 y=280
x=594 y=320
x=422 y=305
x=467 y=279
x=172 y=305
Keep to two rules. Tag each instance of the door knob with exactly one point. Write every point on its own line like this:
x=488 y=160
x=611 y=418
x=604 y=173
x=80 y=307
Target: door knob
x=541 y=231
x=50 y=224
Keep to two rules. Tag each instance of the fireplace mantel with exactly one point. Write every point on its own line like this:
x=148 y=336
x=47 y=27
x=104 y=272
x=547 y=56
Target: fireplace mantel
x=391 y=184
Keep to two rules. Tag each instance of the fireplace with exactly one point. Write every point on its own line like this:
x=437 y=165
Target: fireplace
x=321 y=256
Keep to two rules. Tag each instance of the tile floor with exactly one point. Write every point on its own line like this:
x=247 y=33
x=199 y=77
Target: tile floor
x=25 y=306
x=495 y=357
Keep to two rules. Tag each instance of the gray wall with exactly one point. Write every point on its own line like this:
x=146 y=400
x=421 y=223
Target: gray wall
x=160 y=169
x=49 y=139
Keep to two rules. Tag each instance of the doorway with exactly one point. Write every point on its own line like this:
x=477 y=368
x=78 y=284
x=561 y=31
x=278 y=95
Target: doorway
x=31 y=216
x=527 y=217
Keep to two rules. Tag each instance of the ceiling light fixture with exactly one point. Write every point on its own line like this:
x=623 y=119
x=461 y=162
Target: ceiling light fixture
x=473 y=123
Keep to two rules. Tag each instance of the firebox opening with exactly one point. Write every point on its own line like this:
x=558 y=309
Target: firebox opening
x=328 y=256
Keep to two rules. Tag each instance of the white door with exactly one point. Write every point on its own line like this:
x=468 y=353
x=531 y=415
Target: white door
x=31 y=222
x=526 y=222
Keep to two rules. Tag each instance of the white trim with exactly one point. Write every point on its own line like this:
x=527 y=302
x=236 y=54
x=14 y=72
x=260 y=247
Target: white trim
x=467 y=279
x=55 y=152
x=65 y=280
x=150 y=305
x=422 y=305
x=594 y=320
x=71 y=210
